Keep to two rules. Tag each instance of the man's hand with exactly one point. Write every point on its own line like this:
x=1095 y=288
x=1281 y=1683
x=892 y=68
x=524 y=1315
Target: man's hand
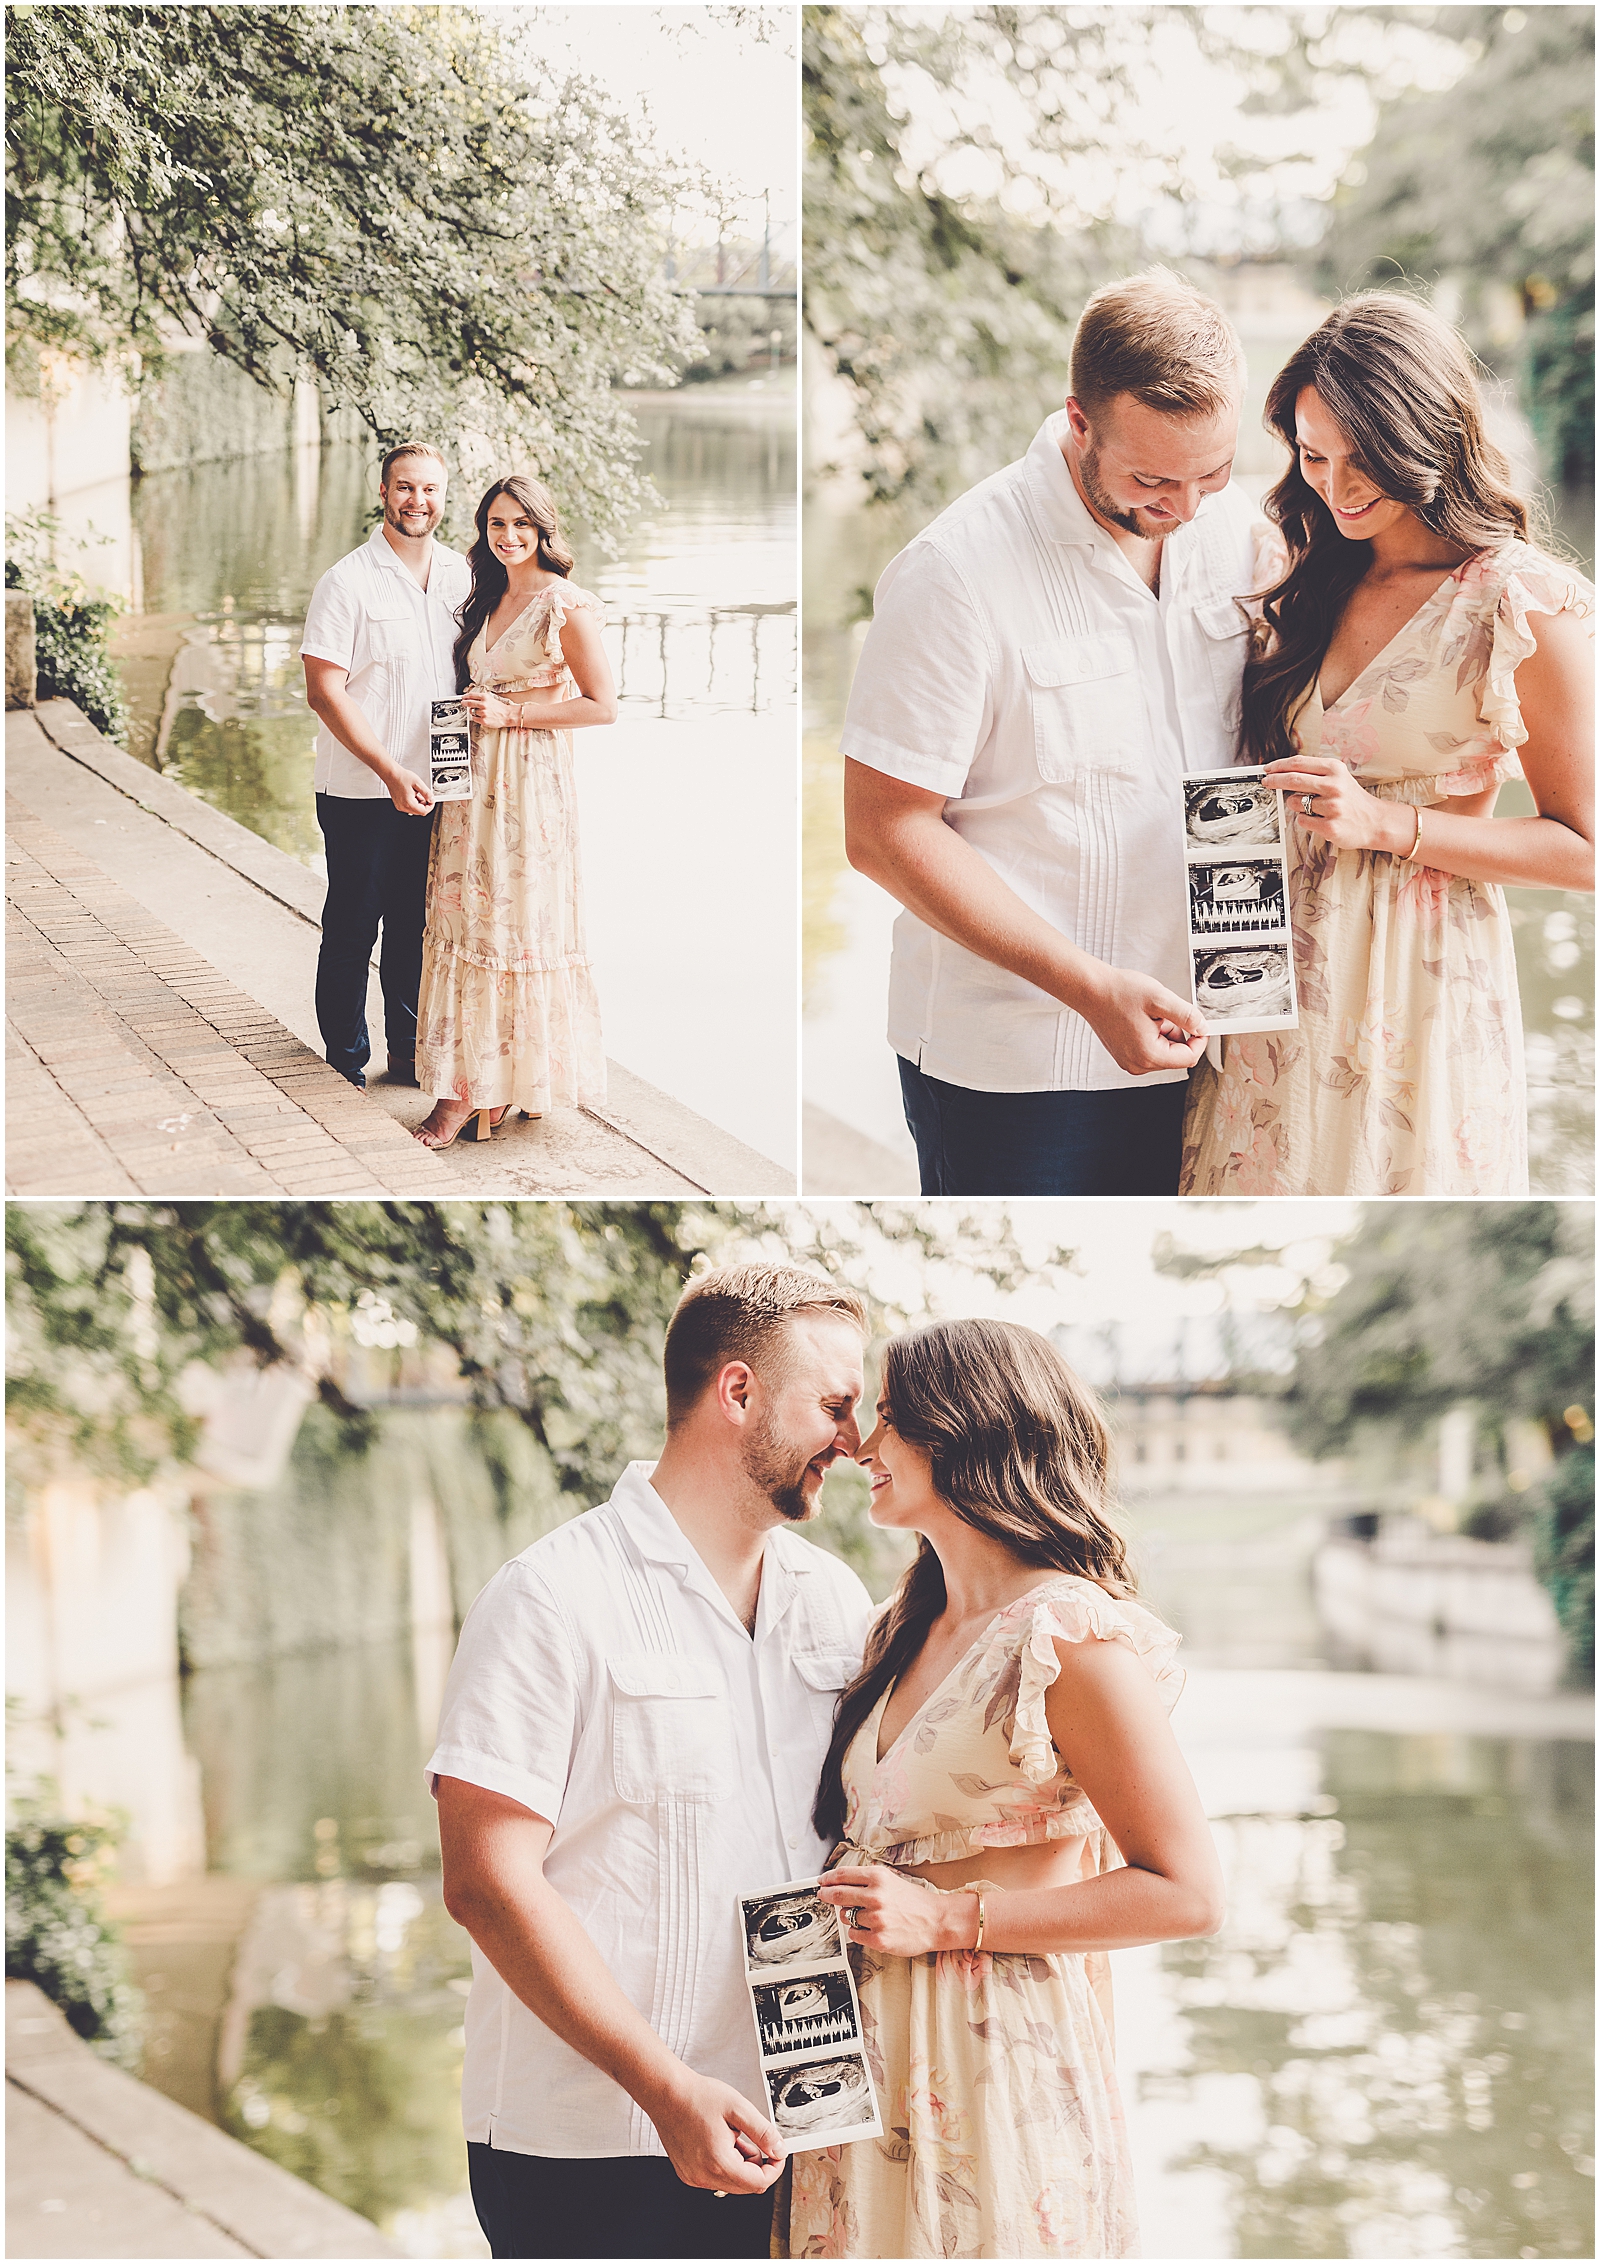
x=897 y=836
x=408 y=794
x=713 y=2136
x=1141 y=1024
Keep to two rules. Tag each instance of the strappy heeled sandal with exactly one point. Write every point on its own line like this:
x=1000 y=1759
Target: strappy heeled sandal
x=485 y=1124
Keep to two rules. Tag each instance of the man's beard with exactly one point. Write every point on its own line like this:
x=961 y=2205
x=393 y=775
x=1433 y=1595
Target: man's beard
x=391 y=518
x=1089 y=471
x=769 y=1464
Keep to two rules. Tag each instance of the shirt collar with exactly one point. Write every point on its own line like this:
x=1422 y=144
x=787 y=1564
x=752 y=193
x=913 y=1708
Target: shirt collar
x=443 y=556
x=661 y=1540
x=1066 y=517
x=382 y=555
x=652 y=1528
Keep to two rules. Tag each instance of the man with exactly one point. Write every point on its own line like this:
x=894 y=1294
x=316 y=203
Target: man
x=377 y=651
x=631 y=1737
x=1045 y=662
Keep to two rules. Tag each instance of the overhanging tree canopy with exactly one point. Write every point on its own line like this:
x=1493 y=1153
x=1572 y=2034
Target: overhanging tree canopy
x=376 y=195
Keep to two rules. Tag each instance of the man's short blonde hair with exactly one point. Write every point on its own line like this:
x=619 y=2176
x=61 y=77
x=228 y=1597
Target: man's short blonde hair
x=408 y=448
x=743 y=1313
x=1161 y=340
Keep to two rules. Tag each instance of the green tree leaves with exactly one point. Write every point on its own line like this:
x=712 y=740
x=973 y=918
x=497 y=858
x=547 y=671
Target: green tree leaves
x=376 y=196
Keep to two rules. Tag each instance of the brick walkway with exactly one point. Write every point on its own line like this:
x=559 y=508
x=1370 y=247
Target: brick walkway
x=134 y=1068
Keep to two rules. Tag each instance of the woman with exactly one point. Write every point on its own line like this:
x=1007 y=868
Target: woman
x=1418 y=651
x=1012 y=1806
x=507 y=1015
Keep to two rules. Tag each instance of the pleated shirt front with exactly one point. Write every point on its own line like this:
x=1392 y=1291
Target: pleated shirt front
x=1018 y=665
x=604 y=1681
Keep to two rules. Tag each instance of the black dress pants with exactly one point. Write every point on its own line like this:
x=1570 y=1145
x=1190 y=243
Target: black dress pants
x=627 y=2205
x=377 y=877
x=1126 y=1142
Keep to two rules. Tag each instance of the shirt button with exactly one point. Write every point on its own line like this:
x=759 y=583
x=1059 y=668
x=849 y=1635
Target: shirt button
x=794 y=1843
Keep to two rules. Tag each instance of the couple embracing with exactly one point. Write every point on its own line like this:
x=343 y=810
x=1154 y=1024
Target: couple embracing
x=676 y=1700
x=1060 y=647
x=488 y=1000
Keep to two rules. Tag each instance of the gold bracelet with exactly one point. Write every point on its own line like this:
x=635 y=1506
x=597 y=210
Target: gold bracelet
x=1410 y=856
x=978 y=1944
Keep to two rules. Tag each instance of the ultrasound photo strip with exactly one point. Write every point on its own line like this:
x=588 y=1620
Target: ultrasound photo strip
x=807 y=2017
x=1236 y=879
x=449 y=751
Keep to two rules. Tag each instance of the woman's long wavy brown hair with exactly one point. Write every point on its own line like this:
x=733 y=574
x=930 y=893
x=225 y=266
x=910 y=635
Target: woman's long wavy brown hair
x=1020 y=1451
x=1402 y=388
x=489 y=576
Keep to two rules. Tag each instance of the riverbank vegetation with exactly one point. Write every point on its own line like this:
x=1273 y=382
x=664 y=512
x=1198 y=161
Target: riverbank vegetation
x=392 y=202
x=1485 y=1308
x=57 y=1933
x=72 y=625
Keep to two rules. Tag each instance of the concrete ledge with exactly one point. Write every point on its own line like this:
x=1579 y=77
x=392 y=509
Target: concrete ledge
x=708 y=1158
x=835 y=1159
x=101 y=2165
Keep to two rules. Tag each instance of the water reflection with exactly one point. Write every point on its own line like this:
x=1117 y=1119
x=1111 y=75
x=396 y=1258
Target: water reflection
x=1395 y=2010
x=340 y=2051
x=1383 y=2054
x=700 y=604
x=349 y=2004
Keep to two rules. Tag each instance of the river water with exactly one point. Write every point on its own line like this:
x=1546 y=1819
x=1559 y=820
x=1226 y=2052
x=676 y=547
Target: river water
x=1383 y=2053
x=849 y=1070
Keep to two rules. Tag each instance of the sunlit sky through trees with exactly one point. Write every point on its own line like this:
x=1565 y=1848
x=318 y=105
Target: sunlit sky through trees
x=718 y=92
x=1231 y=178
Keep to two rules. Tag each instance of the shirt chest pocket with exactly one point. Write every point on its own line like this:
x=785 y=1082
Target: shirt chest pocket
x=671 y=1729
x=1088 y=706
x=822 y=1674
x=1225 y=633
x=391 y=637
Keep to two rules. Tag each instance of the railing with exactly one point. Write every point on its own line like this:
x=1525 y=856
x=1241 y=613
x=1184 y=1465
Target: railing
x=736 y=659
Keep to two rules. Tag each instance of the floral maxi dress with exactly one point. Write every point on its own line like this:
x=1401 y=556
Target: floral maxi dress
x=1003 y=2130
x=1405 y=1075
x=507 y=1012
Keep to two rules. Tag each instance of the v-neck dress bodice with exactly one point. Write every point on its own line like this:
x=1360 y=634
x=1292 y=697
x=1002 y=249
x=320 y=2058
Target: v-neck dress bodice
x=507 y=1011
x=974 y=1767
x=996 y=2076
x=1405 y=1075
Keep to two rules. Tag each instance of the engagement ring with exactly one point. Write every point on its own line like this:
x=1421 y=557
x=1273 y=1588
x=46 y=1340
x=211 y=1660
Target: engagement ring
x=1308 y=802
x=852 y=1920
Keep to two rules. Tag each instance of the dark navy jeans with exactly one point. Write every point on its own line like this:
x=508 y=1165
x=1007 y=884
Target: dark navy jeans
x=627 y=2205
x=377 y=877
x=1126 y=1142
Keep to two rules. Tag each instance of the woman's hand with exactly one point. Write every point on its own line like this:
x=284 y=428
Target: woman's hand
x=488 y=711
x=896 y=1916
x=1342 y=810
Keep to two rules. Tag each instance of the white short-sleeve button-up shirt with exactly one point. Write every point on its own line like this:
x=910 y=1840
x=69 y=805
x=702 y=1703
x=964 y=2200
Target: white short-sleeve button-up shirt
x=1018 y=664
x=603 y=1680
x=395 y=640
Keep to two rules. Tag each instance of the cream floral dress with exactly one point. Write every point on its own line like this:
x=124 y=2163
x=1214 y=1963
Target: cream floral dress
x=1405 y=1075
x=507 y=1011
x=1002 y=2126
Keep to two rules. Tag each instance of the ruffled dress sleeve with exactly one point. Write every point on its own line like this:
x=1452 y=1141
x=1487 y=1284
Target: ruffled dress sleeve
x=1536 y=584
x=1073 y=1613
x=566 y=599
